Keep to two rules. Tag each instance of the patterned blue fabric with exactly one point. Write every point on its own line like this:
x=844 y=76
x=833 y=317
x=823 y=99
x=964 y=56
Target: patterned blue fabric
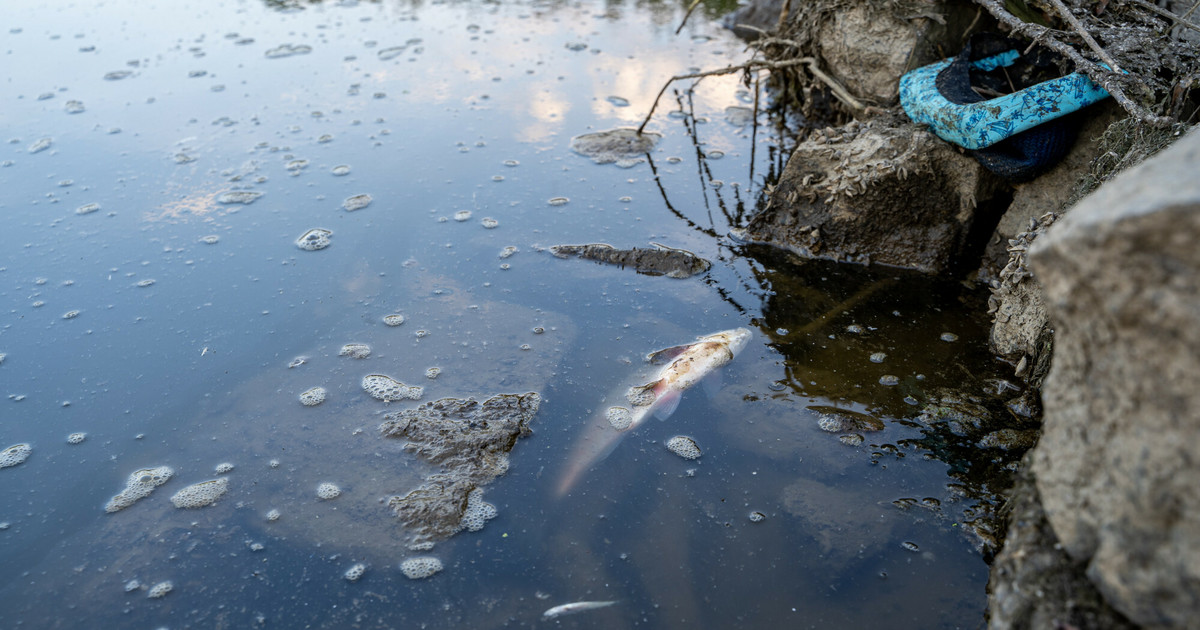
x=982 y=124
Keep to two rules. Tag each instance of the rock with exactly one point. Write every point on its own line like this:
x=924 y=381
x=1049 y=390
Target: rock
x=1115 y=466
x=659 y=261
x=1034 y=583
x=884 y=192
x=1020 y=327
x=1051 y=191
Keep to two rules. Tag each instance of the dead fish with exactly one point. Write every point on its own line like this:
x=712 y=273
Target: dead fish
x=687 y=365
x=574 y=607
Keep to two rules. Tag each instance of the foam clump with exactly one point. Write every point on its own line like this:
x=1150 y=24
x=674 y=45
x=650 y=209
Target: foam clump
x=478 y=511
x=314 y=239
x=355 y=572
x=223 y=467
x=619 y=417
x=139 y=486
x=327 y=491
x=357 y=202
x=272 y=515
x=201 y=494
x=395 y=319
x=388 y=389
x=355 y=351
x=239 y=196
x=15 y=454
x=312 y=397
x=76 y=438
x=684 y=447
x=420 y=567
x=160 y=590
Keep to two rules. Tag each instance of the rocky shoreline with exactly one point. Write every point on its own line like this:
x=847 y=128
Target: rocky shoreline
x=1095 y=282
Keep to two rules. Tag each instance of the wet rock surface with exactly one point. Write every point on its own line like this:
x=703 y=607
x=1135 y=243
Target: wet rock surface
x=1115 y=466
x=658 y=261
x=1034 y=583
x=469 y=442
x=884 y=192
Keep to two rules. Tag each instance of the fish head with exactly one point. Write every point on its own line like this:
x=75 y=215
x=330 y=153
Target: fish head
x=735 y=339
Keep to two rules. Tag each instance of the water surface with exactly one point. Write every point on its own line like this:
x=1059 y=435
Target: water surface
x=161 y=161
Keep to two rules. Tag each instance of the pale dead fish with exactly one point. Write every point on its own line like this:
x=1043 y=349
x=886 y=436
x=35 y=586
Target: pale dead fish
x=574 y=607
x=687 y=365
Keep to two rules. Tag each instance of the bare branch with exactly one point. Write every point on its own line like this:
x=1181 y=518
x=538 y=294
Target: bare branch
x=1087 y=37
x=695 y=3
x=1107 y=79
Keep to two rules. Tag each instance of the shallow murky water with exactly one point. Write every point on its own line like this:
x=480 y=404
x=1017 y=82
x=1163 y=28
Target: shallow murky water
x=206 y=202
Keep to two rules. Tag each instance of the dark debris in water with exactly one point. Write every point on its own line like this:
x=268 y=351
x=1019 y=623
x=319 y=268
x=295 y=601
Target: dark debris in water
x=658 y=261
x=469 y=441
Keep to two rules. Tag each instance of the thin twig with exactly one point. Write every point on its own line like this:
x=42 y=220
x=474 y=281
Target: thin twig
x=1087 y=37
x=749 y=66
x=1166 y=14
x=783 y=15
x=1191 y=10
x=1105 y=77
x=695 y=3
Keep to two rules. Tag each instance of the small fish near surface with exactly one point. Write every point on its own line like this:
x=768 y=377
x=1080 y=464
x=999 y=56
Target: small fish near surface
x=574 y=607
x=685 y=366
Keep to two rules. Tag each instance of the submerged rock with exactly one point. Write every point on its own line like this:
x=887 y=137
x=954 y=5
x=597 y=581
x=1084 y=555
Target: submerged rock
x=469 y=441
x=621 y=146
x=660 y=261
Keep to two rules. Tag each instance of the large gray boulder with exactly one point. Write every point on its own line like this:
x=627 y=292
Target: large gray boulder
x=885 y=191
x=1116 y=467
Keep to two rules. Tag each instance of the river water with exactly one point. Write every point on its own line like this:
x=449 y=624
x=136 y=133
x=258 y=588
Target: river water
x=161 y=161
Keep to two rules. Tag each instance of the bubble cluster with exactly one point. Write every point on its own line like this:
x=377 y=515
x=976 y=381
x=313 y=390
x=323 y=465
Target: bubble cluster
x=211 y=239
x=76 y=438
x=15 y=454
x=508 y=250
x=619 y=417
x=462 y=215
x=288 y=50
x=684 y=447
x=558 y=201
x=223 y=468
x=478 y=511
x=889 y=380
x=878 y=357
x=388 y=389
x=201 y=494
x=355 y=351
x=132 y=585
x=757 y=517
x=948 y=336
x=145 y=283
x=640 y=396
x=433 y=372
x=239 y=196
x=87 y=208
x=489 y=223
x=312 y=397
x=357 y=202
x=40 y=145
x=420 y=567
x=395 y=319
x=272 y=515
x=140 y=484
x=160 y=590
x=314 y=239
x=340 y=170
x=327 y=491
x=355 y=572
x=74 y=107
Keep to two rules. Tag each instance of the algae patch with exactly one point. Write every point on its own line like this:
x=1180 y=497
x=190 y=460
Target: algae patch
x=469 y=441
x=657 y=261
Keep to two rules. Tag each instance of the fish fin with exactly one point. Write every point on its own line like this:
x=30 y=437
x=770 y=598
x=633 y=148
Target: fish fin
x=666 y=354
x=667 y=405
x=642 y=395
